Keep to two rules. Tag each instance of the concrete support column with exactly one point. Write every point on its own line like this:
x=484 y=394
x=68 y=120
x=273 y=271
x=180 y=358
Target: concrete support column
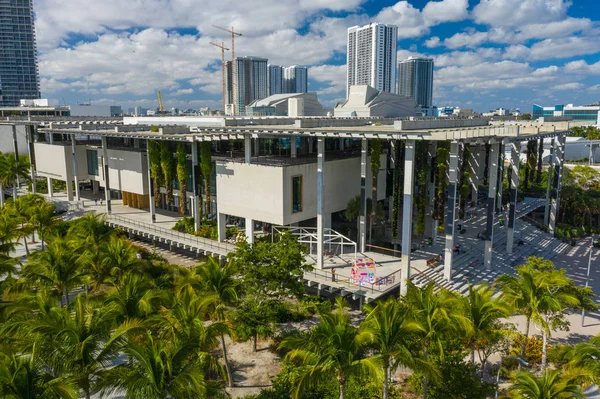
x=221 y=227
x=75 y=179
x=320 y=202
x=250 y=230
x=559 y=144
x=491 y=205
x=362 y=226
x=549 y=185
x=407 y=213
x=515 y=150
x=431 y=223
x=31 y=148
x=247 y=148
x=451 y=208
x=150 y=185
x=293 y=148
x=500 y=178
x=16 y=149
x=327 y=220
x=195 y=181
x=106 y=175
x=310 y=144
x=69 y=184
x=481 y=170
x=50 y=189
x=473 y=164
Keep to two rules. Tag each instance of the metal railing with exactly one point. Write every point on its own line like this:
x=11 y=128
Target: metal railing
x=184 y=238
x=380 y=285
x=334 y=243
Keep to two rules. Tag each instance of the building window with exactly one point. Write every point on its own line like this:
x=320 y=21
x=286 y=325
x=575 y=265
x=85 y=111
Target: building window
x=296 y=194
x=92 y=162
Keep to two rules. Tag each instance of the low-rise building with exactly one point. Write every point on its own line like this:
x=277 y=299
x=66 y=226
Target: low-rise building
x=586 y=113
x=365 y=101
x=292 y=104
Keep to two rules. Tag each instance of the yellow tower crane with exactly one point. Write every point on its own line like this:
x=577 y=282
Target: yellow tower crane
x=161 y=106
x=223 y=48
x=233 y=35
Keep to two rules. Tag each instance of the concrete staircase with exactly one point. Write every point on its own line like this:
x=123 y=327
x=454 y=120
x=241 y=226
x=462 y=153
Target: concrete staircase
x=468 y=265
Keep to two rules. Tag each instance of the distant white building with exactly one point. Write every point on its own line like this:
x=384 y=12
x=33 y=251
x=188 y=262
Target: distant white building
x=585 y=113
x=95 y=110
x=365 y=101
x=290 y=104
x=371 y=56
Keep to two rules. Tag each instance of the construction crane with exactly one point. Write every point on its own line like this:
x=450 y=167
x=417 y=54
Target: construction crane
x=233 y=35
x=223 y=48
x=161 y=106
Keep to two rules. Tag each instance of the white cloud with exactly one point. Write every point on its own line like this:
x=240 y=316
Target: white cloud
x=436 y=12
x=554 y=29
x=514 y=13
x=569 y=86
x=564 y=47
x=432 y=42
x=466 y=39
x=332 y=75
x=459 y=58
x=182 y=92
x=516 y=51
x=582 y=67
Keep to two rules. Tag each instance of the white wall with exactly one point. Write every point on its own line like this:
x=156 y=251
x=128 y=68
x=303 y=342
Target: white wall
x=53 y=160
x=6 y=140
x=128 y=169
x=252 y=191
x=264 y=193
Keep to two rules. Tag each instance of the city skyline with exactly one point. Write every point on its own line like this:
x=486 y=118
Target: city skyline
x=487 y=55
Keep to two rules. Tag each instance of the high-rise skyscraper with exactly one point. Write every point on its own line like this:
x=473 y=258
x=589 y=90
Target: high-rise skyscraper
x=371 y=58
x=275 y=78
x=246 y=81
x=415 y=79
x=18 y=59
x=295 y=79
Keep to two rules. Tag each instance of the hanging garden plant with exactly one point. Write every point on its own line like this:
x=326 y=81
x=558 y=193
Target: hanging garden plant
x=464 y=187
x=442 y=157
x=375 y=165
x=398 y=185
x=155 y=169
x=421 y=174
x=166 y=165
x=182 y=177
x=206 y=169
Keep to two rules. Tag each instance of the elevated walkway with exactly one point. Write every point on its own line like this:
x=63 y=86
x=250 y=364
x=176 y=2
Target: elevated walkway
x=199 y=245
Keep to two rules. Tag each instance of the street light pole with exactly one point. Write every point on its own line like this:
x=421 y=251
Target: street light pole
x=587 y=277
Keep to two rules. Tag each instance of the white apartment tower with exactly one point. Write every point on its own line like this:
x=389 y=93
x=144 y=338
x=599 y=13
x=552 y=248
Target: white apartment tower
x=371 y=58
x=295 y=79
x=275 y=78
x=415 y=79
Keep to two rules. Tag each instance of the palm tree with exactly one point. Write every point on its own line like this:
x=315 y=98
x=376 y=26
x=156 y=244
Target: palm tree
x=13 y=171
x=581 y=361
x=78 y=342
x=438 y=314
x=20 y=378
x=535 y=292
x=58 y=267
x=93 y=230
x=133 y=298
x=116 y=257
x=160 y=370
x=483 y=311
x=42 y=216
x=334 y=348
x=183 y=320
x=221 y=287
x=391 y=333
x=20 y=210
x=549 y=386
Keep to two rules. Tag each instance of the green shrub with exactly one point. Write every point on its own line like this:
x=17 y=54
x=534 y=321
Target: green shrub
x=533 y=351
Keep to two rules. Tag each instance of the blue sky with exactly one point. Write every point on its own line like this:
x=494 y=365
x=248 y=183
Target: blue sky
x=488 y=53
